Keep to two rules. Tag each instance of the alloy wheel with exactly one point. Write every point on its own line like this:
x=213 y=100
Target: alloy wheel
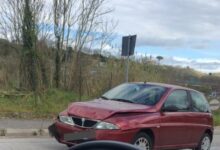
x=206 y=143
x=142 y=143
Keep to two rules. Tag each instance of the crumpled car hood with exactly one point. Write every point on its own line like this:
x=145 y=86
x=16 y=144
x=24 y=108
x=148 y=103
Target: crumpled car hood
x=101 y=109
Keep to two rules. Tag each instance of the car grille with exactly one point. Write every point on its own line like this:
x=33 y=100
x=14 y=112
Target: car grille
x=83 y=122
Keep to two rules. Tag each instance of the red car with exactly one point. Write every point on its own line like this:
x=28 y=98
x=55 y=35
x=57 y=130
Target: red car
x=151 y=116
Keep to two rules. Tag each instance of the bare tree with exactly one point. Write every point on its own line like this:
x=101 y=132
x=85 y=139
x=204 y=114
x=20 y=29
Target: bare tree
x=72 y=18
x=70 y=22
x=61 y=13
x=73 y=23
x=11 y=15
x=90 y=17
x=107 y=33
x=21 y=24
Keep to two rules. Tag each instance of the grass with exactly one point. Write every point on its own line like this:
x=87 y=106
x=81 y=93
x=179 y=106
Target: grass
x=43 y=105
x=217 y=118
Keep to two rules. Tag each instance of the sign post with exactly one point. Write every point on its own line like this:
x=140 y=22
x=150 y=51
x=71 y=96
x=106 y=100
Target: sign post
x=127 y=65
x=128 y=46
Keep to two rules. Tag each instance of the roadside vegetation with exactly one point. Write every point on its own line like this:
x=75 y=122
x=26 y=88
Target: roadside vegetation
x=28 y=105
x=217 y=117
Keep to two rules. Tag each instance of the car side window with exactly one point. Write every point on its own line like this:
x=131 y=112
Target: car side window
x=179 y=100
x=199 y=102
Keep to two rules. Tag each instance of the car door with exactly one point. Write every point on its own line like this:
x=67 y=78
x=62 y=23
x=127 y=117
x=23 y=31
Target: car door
x=174 y=129
x=200 y=116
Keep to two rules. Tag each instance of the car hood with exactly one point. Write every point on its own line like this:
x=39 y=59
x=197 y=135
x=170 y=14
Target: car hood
x=102 y=109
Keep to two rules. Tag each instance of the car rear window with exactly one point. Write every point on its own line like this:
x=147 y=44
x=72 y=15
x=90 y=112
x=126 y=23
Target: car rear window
x=199 y=102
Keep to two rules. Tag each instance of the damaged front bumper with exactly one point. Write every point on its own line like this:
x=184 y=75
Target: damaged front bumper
x=53 y=132
x=71 y=135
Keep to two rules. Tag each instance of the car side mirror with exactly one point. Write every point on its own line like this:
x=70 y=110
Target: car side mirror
x=170 y=108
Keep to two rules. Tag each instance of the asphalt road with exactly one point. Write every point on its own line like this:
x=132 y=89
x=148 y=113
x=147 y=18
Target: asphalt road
x=51 y=144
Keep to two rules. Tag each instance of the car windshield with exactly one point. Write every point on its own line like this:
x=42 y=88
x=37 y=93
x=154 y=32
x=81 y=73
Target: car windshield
x=136 y=93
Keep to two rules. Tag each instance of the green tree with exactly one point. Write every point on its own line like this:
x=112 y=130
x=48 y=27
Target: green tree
x=28 y=67
x=159 y=58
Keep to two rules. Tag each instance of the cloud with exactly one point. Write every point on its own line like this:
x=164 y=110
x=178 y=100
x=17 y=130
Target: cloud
x=180 y=59
x=170 y=23
x=205 y=65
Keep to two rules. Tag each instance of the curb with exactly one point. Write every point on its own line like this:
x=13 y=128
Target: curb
x=23 y=132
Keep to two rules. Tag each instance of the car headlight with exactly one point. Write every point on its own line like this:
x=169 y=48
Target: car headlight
x=66 y=120
x=106 y=126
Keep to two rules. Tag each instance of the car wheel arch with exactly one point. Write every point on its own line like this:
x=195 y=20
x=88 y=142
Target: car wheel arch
x=209 y=132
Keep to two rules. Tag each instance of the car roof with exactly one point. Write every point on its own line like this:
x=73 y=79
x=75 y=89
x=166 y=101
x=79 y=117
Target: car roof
x=171 y=86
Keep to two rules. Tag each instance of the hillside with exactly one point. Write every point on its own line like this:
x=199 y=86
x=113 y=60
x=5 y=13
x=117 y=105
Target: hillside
x=109 y=71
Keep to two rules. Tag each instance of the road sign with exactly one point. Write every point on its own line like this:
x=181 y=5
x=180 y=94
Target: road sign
x=128 y=45
x=214 y=104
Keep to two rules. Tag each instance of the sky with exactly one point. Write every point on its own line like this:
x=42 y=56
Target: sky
x=184 y=32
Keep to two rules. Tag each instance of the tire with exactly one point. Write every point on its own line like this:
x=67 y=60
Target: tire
x=205 y=143
x=143 y=141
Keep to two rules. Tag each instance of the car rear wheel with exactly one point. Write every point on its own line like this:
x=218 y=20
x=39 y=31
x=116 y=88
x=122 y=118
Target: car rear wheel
x=143 y=141
x=205 y=143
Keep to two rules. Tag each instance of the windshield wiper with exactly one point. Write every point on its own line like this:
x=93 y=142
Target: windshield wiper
x=103 y=97
x=122 y=100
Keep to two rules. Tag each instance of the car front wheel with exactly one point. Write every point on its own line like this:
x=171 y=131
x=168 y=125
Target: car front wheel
x=143 y=141
x=205 y=143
